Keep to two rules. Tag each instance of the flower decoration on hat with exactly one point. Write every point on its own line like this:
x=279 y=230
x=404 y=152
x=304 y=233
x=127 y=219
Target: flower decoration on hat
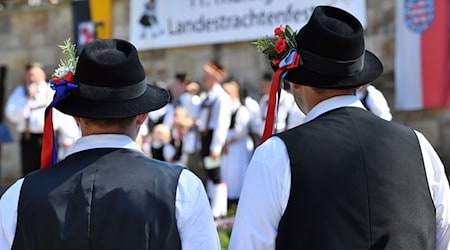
x=66 y=68
x=281 y=50
x=63 y=84
x=278 y=46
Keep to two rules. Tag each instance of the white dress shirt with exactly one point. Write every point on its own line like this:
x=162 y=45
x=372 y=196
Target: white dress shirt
x=220 y=117
x=192 y=211
x=20 y=109
x=256 y=121
x=235 y=161
x=288 y=115
x=376 y=102
x=265 y=194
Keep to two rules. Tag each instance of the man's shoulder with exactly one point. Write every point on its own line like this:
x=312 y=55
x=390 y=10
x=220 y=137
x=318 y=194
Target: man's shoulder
x=117 y=159
x=163 y=164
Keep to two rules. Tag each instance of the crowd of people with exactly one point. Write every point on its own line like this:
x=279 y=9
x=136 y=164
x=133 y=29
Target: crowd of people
x=152 y=167
x=212 y=128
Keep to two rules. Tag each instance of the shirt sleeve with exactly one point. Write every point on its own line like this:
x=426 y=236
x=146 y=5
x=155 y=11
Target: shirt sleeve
x=8 y=214
x=241 y=124
x=263 y=198
x=194 y=217
x=256 y=122
x=17 y=108
x=440 y=192
x=222 y=111
x=377 y=103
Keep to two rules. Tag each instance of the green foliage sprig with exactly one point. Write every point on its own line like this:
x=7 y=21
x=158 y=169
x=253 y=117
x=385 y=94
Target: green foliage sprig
x=68 y=65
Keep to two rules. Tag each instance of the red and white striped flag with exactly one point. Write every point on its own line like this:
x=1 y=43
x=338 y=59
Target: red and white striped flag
x=422 y=54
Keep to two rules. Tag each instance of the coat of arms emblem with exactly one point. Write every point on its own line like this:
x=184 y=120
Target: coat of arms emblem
x=419 y=14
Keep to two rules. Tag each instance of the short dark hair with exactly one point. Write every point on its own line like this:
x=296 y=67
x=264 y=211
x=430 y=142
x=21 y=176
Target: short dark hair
x=30 y=65
x=182 y=77
x=120 y=122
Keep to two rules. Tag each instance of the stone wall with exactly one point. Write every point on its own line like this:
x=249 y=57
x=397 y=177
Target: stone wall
x=29 y=34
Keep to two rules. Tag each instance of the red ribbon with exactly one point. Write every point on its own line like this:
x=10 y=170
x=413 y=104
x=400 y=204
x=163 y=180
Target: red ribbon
x=62 y=90
x=48 y=140
x=291 y=61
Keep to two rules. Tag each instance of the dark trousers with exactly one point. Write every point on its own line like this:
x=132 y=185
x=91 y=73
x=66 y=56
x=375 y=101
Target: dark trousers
x=194 y=163
x=212 y=174
x=30 y=152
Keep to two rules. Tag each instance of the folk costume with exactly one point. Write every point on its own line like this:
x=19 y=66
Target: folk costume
x=214 y=122
x=106 y=194
x=345 y=178
x=237 y=155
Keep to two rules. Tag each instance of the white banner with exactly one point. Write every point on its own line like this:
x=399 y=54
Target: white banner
x=156 y=24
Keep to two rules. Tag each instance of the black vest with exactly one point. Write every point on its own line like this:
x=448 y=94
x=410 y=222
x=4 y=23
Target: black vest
x=358 y=182
x=158 y=153
x=99 y=199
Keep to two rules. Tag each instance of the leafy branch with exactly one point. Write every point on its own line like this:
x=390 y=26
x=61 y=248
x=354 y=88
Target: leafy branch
x=68 y=65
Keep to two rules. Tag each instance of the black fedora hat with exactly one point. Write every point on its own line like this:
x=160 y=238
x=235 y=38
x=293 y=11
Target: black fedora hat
x=333 y=54
x=111 y=83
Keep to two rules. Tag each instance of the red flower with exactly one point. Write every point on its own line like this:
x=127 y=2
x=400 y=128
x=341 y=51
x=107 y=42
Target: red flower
x=279 y=30
x=56 y=80
x=280 y=45
x=276 y=62
x=68 y=77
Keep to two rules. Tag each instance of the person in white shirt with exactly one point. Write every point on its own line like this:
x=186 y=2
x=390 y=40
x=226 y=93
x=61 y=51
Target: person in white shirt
x=256 y=122
x=182 y=123
x=374 y=101
x=214 y=122
x=161 y=147
x=106 y=194
x=288 y=115
x=191 y=102
x=345 y=178
x=235 y=153
x=25 y=109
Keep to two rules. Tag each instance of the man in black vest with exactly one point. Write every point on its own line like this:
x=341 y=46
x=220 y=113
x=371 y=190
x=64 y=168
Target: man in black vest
x=345 y=178
x=106 y=194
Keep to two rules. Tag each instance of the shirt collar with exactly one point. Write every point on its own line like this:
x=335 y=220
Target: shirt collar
x=333 y=103
x=103 y=141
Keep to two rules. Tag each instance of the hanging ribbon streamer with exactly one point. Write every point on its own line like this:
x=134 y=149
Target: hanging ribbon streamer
x=290 y=61
x=49 y=153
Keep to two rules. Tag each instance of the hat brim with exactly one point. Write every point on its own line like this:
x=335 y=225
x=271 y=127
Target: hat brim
x=373 y=68
x=153 y=98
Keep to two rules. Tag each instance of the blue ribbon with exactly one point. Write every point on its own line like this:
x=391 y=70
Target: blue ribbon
x=62 y=91
x=288 y=59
